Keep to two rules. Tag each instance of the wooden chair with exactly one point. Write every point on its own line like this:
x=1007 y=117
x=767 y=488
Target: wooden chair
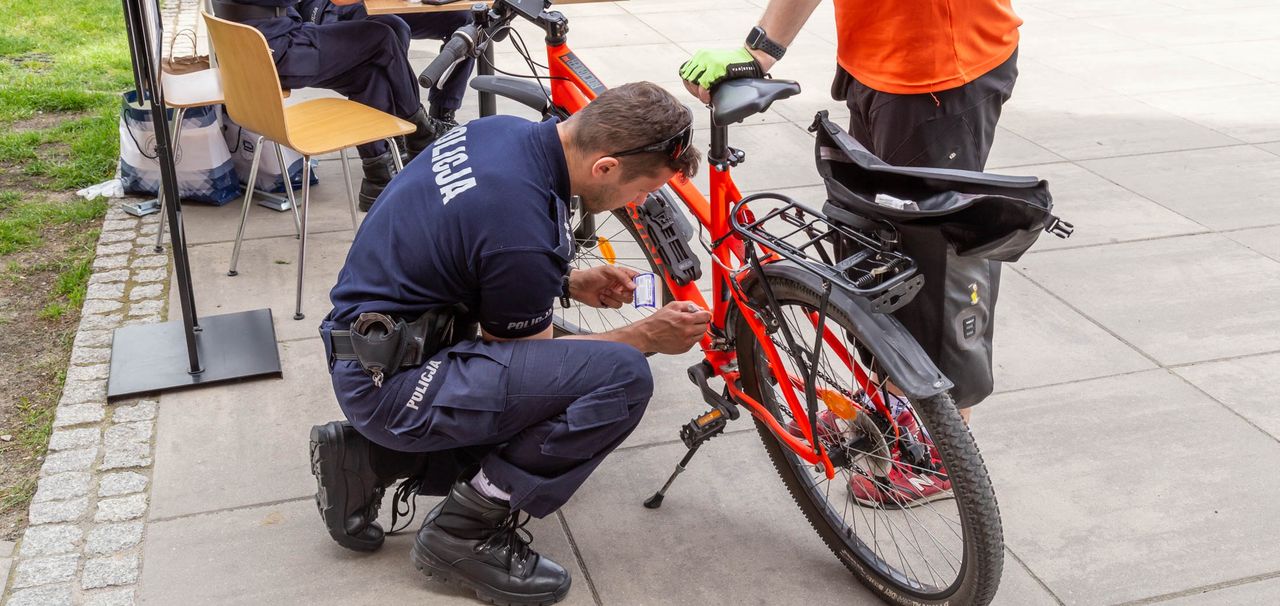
x=252 y=94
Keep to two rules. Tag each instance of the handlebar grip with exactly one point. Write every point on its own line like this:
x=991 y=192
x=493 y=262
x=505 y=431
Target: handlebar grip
x=460 y=45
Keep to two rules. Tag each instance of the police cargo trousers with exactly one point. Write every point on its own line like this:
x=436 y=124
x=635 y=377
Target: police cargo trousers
x=550 y=409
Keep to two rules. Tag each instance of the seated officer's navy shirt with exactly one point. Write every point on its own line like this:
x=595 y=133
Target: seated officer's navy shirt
x=480 y=219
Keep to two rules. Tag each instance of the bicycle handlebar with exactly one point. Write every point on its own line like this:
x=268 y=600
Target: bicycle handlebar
x=460 y=46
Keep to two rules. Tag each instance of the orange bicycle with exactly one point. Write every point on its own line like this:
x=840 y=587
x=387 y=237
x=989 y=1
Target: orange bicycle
x=855 y=416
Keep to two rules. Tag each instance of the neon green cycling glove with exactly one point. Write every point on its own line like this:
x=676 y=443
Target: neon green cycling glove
x=709 y=67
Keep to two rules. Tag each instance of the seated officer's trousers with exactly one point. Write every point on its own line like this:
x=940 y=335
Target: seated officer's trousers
x=551 y=409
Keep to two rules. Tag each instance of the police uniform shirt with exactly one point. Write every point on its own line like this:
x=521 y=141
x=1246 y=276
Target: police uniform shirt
x=291 y=38
x=480 y=219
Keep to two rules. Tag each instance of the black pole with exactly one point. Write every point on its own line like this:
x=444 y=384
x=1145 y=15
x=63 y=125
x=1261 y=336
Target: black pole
x=488 y=102
x=147 y=77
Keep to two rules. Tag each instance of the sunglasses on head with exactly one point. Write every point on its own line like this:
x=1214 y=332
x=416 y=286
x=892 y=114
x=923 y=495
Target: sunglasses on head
x=672 y=146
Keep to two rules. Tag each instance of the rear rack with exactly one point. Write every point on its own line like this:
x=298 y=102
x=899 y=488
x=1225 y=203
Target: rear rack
x=869 y=267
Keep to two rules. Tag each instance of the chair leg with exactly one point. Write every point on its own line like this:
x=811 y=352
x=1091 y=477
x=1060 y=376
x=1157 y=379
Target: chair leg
x=177 y=131
x=351 y=192
x=244 y=209
x=302 y=244
x=288 y=188
x=395 y=154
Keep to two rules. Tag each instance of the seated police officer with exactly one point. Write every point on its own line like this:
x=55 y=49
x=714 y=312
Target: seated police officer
x=443 y=99
x=363 y=59
x=476 y=231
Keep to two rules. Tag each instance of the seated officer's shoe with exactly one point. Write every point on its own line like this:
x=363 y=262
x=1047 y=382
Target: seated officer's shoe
x=378 y=171
x=349 y=491
x=477 y=543
x=429 y=129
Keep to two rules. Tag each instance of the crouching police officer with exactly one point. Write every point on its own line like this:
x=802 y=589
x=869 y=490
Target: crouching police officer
x=476 y=231
x=362 y=59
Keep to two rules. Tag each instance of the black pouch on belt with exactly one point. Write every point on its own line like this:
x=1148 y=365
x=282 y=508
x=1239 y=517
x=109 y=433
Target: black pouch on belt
x=382 y=345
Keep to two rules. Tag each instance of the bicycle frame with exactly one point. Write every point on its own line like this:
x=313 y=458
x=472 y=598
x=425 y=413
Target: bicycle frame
x=573 y=86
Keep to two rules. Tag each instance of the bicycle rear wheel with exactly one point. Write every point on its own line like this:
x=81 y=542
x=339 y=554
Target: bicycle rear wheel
x=614 y=241
x=911 y=511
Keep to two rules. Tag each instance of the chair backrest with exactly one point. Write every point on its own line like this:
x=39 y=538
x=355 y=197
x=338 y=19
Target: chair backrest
x=250 y=86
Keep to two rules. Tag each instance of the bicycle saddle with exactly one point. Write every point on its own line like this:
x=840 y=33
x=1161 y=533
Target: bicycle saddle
x=734 y=100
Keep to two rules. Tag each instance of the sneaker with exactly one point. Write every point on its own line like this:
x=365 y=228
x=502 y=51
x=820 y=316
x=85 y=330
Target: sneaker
x=901 y=489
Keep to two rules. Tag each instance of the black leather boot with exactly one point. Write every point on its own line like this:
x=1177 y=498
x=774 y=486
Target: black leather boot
x=378 y=171
x=352 y=475
x=430 y=127
x=477 y=543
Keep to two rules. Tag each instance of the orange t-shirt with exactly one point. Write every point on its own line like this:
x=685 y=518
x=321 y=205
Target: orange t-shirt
x=923 y=46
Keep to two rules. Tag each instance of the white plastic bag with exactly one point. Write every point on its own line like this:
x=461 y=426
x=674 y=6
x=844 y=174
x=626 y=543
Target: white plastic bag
x=205 y=171
x=240 y=142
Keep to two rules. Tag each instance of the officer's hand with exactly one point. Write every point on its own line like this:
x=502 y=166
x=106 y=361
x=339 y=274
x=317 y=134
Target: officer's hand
x=709 y=67
x=603 y=286
x=675 y=328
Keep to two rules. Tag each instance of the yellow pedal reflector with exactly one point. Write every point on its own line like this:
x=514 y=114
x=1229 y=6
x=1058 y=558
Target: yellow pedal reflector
x=606 y=250
x=842 y=406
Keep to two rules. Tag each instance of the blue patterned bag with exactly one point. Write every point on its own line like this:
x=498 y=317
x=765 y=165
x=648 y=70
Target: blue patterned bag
x=205 y=171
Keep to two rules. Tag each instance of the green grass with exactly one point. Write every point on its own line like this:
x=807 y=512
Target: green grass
x=63 y=67
x=62 y=57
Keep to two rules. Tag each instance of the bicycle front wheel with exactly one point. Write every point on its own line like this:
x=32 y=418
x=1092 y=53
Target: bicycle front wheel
x=910 y=511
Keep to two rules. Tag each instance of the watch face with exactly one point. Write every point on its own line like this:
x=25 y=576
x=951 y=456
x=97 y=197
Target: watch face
x=756 y=35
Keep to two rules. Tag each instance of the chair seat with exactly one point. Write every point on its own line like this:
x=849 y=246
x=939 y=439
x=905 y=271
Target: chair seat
x=195 y=89
x=326 y=125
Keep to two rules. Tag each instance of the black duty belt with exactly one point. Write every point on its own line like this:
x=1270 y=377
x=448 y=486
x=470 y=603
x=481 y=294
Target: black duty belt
x=235 y=11
x=383 y=345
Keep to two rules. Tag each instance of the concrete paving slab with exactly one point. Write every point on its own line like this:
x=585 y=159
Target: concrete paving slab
x=1103 y=127
x=641 y=7
x=1040 y=82
x=1240 y=191
x=1179 y=300
x=1245 y=385
x=605 y=30
x=1258 y=592
x=1251 y=115
x=1041 y=341
x=281 y=554
x=1197 y=27
x=1010 y=150
x=268 y=273
x=1103 y=212
x=249 y=440
x=1151 y=70
x=699 y=25
x=727 y=533
x=1265 y=240
x=329 y=212
x=778 y=156
x=1052 y=37
x=617 y=65
x=1121 y=503
x=1103 y=8
x=1256 y=57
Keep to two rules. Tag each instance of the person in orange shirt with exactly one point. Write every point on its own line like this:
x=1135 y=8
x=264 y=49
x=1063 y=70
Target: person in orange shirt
x=924 y=81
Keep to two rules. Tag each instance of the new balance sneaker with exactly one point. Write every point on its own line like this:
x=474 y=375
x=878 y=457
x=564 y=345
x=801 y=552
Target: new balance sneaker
x=901 y=489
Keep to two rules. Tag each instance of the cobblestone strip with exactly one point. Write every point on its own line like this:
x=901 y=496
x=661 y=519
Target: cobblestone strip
x=84 y=542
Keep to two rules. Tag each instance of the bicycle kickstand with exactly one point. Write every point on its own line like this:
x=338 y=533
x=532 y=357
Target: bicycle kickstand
x=702 y=428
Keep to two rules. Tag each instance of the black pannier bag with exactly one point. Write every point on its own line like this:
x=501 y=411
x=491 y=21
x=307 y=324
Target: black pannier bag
x=958 y=226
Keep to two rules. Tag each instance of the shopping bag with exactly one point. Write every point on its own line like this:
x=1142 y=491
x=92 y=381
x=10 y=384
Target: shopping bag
x=204 y=168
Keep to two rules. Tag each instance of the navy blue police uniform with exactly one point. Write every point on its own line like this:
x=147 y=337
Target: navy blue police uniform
x=363 y=60
x=480 y=220
x=407 y=26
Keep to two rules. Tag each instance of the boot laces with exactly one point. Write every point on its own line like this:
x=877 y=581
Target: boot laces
x=403 y=503
x=512 y=532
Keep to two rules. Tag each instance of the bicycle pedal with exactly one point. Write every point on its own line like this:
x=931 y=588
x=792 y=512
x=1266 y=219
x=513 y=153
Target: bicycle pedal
x=699 y=374
x=703 y=427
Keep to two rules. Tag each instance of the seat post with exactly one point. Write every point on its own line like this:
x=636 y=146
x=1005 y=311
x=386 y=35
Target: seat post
x=718 y=155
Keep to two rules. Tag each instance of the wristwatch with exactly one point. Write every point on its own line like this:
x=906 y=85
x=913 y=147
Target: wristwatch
x=564 y=291
x=757 y=40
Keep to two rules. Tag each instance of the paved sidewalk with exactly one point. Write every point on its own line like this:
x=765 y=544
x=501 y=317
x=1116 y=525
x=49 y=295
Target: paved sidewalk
x=1132 y=440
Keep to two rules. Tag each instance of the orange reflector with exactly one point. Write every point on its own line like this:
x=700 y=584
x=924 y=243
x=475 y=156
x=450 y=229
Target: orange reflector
x=842 y=406
x=606 y=250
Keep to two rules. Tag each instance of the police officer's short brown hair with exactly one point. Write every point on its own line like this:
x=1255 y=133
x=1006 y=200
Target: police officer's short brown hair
x=638 y=116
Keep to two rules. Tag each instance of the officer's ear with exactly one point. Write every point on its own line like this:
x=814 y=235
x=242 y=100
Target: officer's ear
x=605 y=167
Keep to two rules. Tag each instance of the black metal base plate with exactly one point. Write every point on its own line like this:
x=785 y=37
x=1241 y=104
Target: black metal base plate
x=153 y=357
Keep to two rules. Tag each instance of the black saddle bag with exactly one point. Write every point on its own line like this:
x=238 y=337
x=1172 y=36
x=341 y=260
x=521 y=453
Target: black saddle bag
x=958 y=226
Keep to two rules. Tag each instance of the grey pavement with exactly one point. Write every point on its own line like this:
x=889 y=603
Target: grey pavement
x=1133 y=438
